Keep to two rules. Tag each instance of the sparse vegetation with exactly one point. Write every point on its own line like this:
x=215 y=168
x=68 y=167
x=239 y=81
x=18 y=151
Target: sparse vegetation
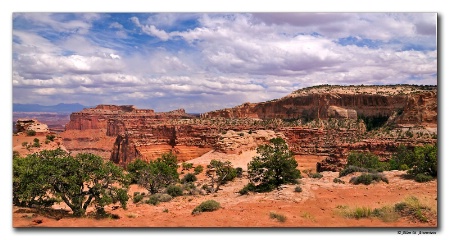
x=368 y=178
x=411 y=208
x=421 y=162
x=189 y=177
x=274 y=166
x=298 y=189
x=158 y=174
x=206 y=206
x=174 y=190
x=219 y=173
x=187 y=166
x=337 y=180
x=50 y=137
x=198 y=169
x=277 y=216
x=31 y=133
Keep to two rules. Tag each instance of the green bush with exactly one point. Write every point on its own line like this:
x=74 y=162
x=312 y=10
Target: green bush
x=337 y=180
x=206 y=206
x=275 y=165
x=279 y=217
x=137 y=198
x=174 y=191
x=423 y=178
x=158 y=197
x=135 y=169
x=316 y=175
x=187 y=166
x=351 y=169
x=368 y=178
x=247 y=188
x=190 y=177
x=420 y=160
x=31 y=133
x=298 y=189
x=239 y=172
x=50 y=137
x=198 y=169
x=363 y=160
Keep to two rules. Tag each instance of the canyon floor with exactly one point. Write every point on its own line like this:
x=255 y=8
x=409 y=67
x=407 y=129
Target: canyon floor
x=318 y=205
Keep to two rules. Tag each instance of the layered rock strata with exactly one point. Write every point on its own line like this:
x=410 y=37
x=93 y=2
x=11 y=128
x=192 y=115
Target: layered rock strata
x=322 y=121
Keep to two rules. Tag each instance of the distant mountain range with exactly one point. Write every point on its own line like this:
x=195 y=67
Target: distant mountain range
x=61 y=107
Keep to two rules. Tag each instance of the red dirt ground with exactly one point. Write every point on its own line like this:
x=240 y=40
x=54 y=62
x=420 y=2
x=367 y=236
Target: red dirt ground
x=315 y=207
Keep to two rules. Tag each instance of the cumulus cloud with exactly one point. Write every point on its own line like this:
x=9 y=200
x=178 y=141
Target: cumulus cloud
x=203 y=62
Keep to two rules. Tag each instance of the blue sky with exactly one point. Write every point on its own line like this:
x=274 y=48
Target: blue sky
x=207 y=61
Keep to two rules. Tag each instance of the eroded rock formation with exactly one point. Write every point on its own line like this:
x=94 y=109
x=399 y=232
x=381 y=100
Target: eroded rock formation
x=25 y=125
x=325 y=121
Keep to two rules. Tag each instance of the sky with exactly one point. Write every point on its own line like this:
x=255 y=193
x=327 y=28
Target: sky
x=203 y=61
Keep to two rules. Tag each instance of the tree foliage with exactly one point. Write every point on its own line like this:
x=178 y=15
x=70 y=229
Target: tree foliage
x=160 y=173
x=55 y=175
x=363 y=160
x=274 y=166
x=219 y=173
x=420 y=160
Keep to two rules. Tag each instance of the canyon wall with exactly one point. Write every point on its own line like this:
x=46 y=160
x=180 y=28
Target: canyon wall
x=324 y=121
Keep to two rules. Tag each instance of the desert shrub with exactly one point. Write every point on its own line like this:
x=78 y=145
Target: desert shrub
x=174 y=190
x=298 y=189
x=158 y=197
x=153 y=200
x=187 y=166
x=36 y=143
x=239 y=172
x=190 y=177
x=206 y=206
x=250 y=187
x=277 y=216
x=403 y=156
x=316 y=175
x=363 y=160
x=198 y=169
x=137 y=198
x=420 y=160
x=413 y=208
x=423 y=178
x=47 y=141
x=351 y=169
x=386 y=214
x=368 y=178
x=275 y=165
x=337 y=180
x=425 y=161
x=31 y=133
x=50 y=137
x=24 y=144
x=403 y=167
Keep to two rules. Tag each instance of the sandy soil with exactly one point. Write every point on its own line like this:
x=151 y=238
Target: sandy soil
x=316 y=206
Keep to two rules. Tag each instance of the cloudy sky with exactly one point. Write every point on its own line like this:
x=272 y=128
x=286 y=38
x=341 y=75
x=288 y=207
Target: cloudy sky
x=208 y=61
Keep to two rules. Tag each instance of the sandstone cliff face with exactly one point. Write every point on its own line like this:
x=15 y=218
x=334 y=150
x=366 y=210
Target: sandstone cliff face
x=335 y=130
x=418 y=104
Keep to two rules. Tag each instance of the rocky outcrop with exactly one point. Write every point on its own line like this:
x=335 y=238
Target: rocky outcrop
x=323 y=121
x=25 y=125
x=417 y=103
